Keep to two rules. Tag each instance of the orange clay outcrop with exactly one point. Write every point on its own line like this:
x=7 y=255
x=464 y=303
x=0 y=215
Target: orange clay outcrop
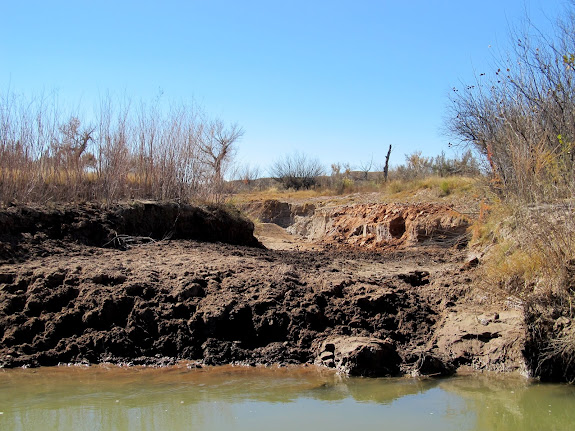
x=376 y=226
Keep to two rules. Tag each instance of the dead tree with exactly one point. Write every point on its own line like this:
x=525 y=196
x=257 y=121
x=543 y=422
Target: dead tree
x=365 y=167
x=386 y=168
x=217 y=146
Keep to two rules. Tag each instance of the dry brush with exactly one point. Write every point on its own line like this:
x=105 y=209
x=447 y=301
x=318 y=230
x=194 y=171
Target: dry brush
x=521 y=119
x=122 y=151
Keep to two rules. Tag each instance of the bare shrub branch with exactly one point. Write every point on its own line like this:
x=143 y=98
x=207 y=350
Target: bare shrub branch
x=296 y=171
x=521 y=117
x=151 y=152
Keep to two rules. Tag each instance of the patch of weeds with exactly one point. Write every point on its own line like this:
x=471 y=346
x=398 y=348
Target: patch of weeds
x=445 y=188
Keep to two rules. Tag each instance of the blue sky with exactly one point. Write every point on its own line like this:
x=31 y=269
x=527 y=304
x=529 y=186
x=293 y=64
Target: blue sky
x=337 y=80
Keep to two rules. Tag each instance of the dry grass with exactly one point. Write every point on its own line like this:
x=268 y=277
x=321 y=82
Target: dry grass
x=531 y=257
x=122 y=152
x=532 y=244
x=441 y=186
x=561 y=346
x=277 y=194
x=424 y=189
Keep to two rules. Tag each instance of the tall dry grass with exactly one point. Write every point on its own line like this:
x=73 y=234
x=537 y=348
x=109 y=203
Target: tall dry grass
x=124 y=150
x=521 y=118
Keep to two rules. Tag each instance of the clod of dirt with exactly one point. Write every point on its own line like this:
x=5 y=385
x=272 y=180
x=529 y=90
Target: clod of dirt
x=359 y=356
x=415 y=278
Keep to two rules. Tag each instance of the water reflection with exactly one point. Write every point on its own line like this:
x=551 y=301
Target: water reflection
x=515 y=403
x=100 y=398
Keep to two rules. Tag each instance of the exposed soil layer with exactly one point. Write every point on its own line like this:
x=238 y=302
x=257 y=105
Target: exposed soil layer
x=374 y=226
x=64 y=298
x=383 y=226
x=31 y=231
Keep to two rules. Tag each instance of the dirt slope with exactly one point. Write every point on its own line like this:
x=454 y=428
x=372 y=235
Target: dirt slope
x=368 y=312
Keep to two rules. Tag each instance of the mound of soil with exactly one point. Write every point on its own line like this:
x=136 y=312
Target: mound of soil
x=363 y=312
x=28 y=231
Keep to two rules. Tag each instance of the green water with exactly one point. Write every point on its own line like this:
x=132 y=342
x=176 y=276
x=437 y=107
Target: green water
x=239 y=398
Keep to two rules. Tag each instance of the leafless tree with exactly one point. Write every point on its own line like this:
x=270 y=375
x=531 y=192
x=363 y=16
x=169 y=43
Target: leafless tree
x=247 y=174
x=217 y=147
x=521 y=116
x=365 y=167
x=73 y=143
x=297 y=171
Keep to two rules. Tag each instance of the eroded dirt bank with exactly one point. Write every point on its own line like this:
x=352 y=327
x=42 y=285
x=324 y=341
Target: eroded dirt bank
x=411 y=310
x=27 y=232
x=375 y=226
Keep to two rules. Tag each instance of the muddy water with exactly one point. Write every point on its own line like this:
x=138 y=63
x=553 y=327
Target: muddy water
x=225 y=398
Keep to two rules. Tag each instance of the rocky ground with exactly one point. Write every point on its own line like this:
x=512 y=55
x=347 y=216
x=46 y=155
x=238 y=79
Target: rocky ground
x=384 y=291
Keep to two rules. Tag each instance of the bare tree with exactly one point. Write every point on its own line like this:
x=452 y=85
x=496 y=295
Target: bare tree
x=297 y=171
x=247 y=174
x=74 y=142
x=521 y=116
x=365 y=167
x=217 y=146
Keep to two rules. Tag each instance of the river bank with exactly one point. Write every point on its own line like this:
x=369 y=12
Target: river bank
x=411 y=310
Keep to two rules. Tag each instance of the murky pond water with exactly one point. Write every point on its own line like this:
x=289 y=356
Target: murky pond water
x=238 y=398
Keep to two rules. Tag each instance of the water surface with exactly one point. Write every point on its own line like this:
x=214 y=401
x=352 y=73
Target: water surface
x=241 y=398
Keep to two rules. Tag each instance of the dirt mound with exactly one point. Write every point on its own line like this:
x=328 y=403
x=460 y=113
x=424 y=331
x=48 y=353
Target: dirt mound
x=64 y=297
x=215 y=303
x=28 y=230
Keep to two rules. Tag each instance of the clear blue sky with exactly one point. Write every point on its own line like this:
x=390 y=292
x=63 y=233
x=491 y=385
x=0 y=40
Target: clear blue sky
x=338 y=80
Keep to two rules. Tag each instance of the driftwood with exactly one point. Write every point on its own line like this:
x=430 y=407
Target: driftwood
x=124 y=242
